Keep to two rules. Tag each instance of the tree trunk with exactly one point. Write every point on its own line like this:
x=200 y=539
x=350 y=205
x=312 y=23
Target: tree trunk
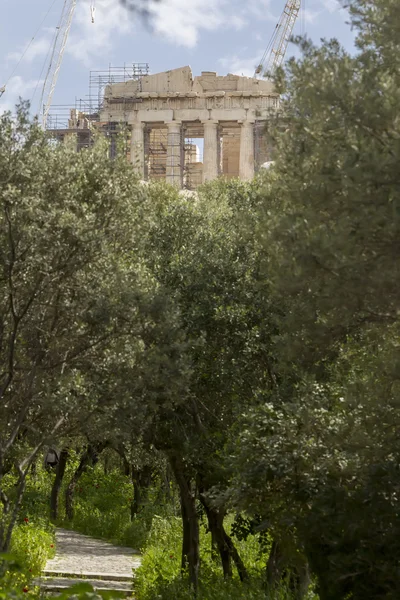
x=279 y=564
x=89 y=457
x=141 y=479
x=55 y=491
x=185 y=538
x=223 y=542
x=216 y=527
x=190 y=522
x=126 y=467
x=106 y=464
x=5 y=540
x=301 y=581
x=241 y=569
x=5 y=501
x=275 y=565
x=167 y=484
x=34 y=468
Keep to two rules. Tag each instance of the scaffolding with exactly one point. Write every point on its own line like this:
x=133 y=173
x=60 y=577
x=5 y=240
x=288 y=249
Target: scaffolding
x=164 y=154
x=98 y=80
x=190 y=159
x=175 y=157
x=172 y=153
x=192 y=143
x=155 y=151
x=82 y=119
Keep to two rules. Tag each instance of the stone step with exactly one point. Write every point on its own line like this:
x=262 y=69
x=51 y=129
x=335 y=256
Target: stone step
x=87 y=575
x=59 y=584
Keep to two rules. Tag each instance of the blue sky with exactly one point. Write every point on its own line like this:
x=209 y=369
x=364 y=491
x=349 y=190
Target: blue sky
x=227 y=36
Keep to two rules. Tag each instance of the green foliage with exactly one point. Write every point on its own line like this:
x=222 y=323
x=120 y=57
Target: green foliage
x=32 y=544
x=159 y=576
x=32 y=541
x=84 y=591
x=102 y=509
x=35 y=503
x=329 y=459
x=82 y=318
x=161 y=559
x=332 y=232
x=318 y=458
x=248 y=334
x=15 y=587
x=12 y=578
x=211 y=588
x=204 y=253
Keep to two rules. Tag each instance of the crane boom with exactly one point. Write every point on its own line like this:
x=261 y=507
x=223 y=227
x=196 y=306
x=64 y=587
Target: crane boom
x=60 y=42
x=280 y=39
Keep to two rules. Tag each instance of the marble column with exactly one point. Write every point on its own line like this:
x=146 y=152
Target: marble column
x=137 y=148
x=210 y=152
x=174 y=166
x=246 y=159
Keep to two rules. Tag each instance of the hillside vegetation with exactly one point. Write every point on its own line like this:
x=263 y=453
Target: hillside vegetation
x=220 y=373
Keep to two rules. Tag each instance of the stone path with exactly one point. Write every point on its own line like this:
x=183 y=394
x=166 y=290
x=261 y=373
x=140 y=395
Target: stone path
x=81 y=558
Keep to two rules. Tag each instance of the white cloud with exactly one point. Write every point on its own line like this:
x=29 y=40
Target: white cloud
x=331 y=5
x=87 y=40
x=180 y=21
x=310 y=16
x=238 y=65
x=37 y=48
x=238 y=22
x=335 y=6
x=18 y=87
x=262 y=10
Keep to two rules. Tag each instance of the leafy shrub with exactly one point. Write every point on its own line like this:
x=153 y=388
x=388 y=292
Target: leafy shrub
x=32 y=541
x=161 y=559
x=32 y=544
x=12 y=589
x=214 y=588
x=36 y=498
x=102 y=509
x=160 y=578
x=84 y=591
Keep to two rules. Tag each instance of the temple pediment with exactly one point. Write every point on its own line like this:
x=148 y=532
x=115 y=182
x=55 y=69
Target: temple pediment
x=181 y=81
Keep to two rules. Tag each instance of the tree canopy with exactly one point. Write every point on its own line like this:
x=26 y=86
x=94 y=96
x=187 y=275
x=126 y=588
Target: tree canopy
x=244 y=341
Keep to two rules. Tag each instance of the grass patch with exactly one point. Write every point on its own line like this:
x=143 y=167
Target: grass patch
x=102 y=510
x=160 y=578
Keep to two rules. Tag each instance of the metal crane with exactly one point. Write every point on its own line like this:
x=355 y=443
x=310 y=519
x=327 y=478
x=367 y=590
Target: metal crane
x=53 y=70
x=276 y=50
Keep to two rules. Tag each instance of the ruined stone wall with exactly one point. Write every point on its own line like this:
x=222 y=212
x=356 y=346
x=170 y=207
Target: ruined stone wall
x=163 y=110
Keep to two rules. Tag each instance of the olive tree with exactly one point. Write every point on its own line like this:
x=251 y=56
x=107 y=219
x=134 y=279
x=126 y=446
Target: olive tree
x=319 y=457
x=68 y=258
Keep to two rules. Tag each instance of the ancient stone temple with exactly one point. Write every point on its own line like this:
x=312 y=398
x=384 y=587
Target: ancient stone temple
x=174 y=116
x=183 y=129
